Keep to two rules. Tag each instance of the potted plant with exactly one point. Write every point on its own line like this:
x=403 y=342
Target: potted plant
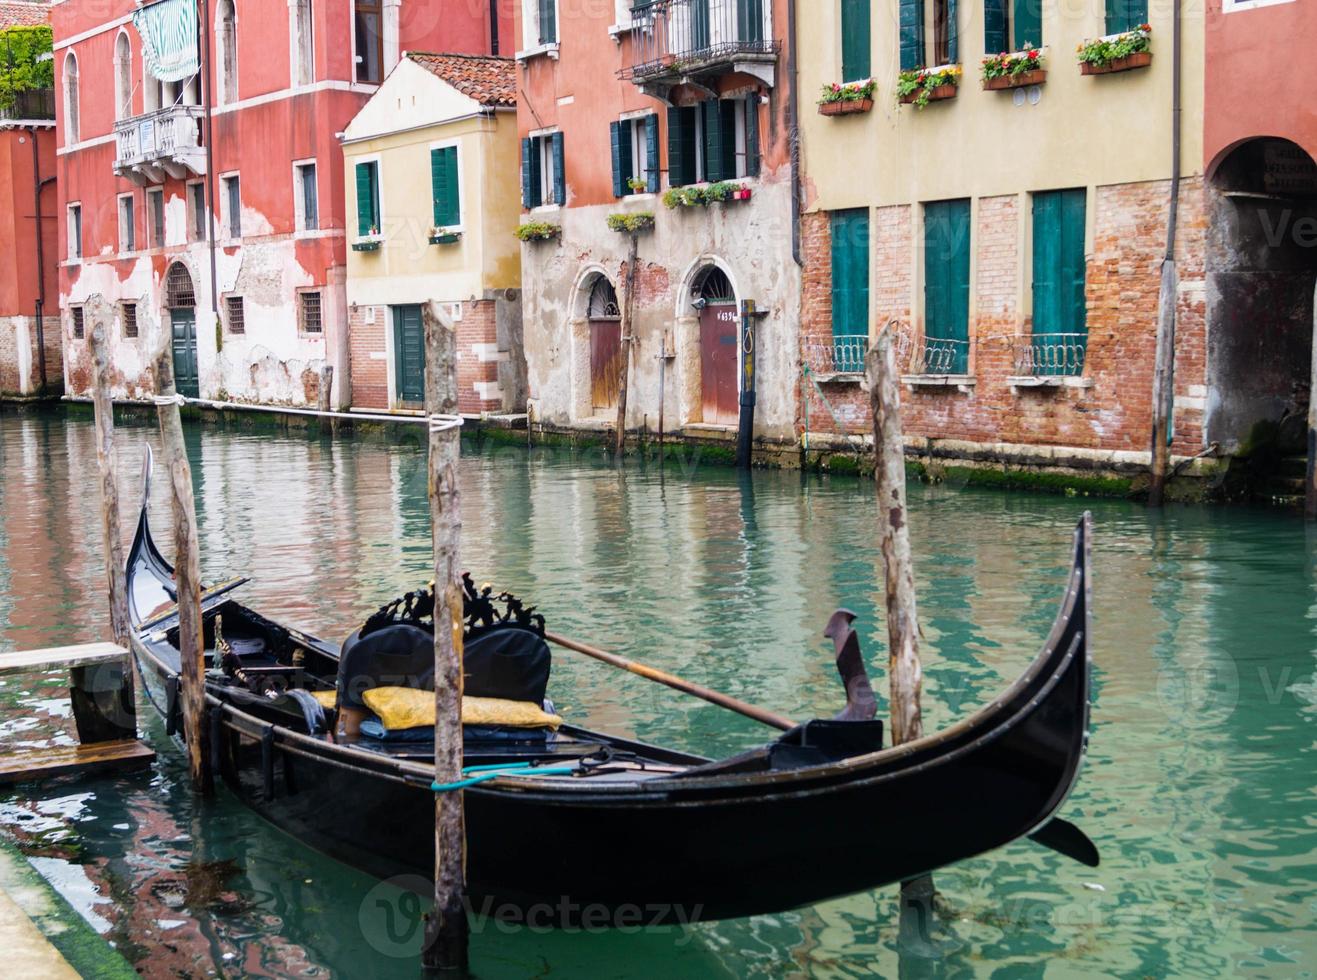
x=920 y=86
x=638 y=185
x=631 y=224
x=370 y=242
x=443 y=236
x=842 y=100
x=742 y=193
x=1117 y=52
x=1017 y=70
x=538 y=231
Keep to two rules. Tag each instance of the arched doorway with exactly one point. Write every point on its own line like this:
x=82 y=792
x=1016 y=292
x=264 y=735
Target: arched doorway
x=181 y=303
x=720 y=343
x=1261 y=266
x=605 y=316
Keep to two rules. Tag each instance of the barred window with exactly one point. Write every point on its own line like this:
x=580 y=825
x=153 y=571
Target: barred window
x=310 y=312
x=237 y=315
x=129 y=321
x=79 y=330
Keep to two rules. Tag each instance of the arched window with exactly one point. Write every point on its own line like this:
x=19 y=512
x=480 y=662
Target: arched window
x=123 y=77
x=603 y=301
x=72 y=130
x=226 y=33
x=179 y=293
x=713 y=286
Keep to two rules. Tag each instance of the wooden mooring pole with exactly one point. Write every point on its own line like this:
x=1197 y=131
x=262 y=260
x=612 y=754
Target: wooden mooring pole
x=628 y=327
x=107 y=460
x=1163 y=385
x=1310 y=484
x=905 y=674
x=447 y=931
x=187 y=571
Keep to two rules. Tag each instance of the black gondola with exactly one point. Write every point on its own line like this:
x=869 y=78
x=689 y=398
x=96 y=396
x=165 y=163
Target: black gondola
x=632 y=829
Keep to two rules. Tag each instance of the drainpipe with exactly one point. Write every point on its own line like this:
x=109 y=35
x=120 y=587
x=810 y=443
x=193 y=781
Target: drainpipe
x=37 y=186
x=793 y=129
x=1163 y=387
x=493 y=28
x=207 y=99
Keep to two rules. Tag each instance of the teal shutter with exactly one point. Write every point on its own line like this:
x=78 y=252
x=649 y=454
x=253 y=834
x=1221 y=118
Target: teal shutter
x=559 y=170
x=995 y=37
x=953 y=34
x=946 y=286
x=367 y=199
x=548 y=22
x=699 y=15
x=443 y=177
x=681 y=145
x=850 y=284
x=1125 y=15
x=750 y=20
x=652 y=153
x=615 y=141
x=527 y=197
x=912 y=34
x=1059 y=305
x=1073 y=265
x=1027 y=24
x=752 y=136
x=856 y=45
x=713 y=141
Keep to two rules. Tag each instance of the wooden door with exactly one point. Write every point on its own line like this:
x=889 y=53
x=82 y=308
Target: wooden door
x=1060 y=320
x=409 y=354
x=186 y=379
x=719 y=363
x=605 y=362
x=946 y=287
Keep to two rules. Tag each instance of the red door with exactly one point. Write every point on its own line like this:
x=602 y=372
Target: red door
x=719 y=363
x=605 y=362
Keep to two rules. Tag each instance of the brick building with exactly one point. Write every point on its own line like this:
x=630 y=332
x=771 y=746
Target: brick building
x=254 y=311
x=30 y=351
x=1010 y=224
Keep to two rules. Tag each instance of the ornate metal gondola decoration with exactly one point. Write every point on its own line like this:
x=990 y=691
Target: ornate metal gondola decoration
x=481 y=610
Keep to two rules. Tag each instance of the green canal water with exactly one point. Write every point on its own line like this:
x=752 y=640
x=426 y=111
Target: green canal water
x=1200 y=787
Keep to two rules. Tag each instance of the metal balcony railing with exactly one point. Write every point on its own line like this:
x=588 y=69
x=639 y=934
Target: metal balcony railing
x=1051 y=355
x=684 y=37
x=934 y=355
x=840 y=355
x=35 y=104
x=167 y=140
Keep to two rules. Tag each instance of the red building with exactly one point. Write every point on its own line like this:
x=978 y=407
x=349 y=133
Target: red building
x=254 y=309
x=29 y=318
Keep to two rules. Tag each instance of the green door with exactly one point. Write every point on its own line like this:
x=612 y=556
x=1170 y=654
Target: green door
x=1060 y=316
x=409 y=354
x=946 y=287
x=850 y=288
x=186 y=379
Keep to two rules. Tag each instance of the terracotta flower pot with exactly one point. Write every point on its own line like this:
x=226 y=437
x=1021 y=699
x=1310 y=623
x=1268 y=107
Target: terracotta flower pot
x=1140 y=59
x=845 y=108
x=936 y=94
x=1022 y=80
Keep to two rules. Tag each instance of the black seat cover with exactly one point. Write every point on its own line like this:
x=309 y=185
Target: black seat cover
x=507 y=662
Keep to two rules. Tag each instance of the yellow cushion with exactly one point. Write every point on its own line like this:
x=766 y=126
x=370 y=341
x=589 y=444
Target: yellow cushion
x=400 y=708
x=328 y=699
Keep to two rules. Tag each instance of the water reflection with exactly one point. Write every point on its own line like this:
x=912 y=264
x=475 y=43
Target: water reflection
x=1198 y=788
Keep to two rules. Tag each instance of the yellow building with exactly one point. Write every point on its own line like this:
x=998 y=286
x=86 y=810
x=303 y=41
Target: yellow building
x=1010 y=215
x=432 y=210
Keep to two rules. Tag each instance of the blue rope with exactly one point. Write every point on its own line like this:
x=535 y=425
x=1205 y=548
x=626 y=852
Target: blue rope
x=483 y=774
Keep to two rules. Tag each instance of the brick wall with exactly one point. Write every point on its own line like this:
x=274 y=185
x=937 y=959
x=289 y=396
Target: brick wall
x=11 y=376
x=1112 y=410
x=366 y=350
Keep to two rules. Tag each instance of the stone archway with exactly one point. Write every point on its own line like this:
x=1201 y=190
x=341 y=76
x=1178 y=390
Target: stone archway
x=714 y=299
x=605 y=317
x=181 y=314
x=1261 y=267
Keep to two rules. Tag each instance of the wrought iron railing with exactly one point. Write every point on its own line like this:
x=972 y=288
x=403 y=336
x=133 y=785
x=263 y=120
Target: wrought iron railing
x=934 y=355
x=154 y=135
x=36 y=103
x=1051 y=355
x=837 y=355
x=673 y=37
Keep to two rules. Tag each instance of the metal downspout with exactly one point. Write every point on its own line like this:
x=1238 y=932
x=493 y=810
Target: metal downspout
x=207 y=99
x=793 y=129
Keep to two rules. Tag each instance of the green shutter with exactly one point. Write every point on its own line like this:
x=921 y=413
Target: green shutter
x=1125 y=15
x=699 y=16
x=946 y=286
x=526 y=149
x=681 y=145
x=367 y=198
x=1059 y=305
x=750 y=20
x=615 y=143
x=752 y=135
x=995 y=37
x=652 y=153
x=912 y=34
x=548 y=22
x=850 y=282
x=1026 y=24
x=953 y=34
x=719 y=139
x=447 y=197
x=559 y=170
x=855 y=41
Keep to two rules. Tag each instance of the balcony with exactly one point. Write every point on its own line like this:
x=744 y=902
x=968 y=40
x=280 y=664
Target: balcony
x=166 y=142
x=1049 y=360
x=32 y=105
x=940 y=363
x=684 y=42
x=837 y=358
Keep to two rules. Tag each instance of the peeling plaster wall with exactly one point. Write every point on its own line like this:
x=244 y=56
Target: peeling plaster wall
x=750 y=241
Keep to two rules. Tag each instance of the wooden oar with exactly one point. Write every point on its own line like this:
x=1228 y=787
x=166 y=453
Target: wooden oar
x=763 y=715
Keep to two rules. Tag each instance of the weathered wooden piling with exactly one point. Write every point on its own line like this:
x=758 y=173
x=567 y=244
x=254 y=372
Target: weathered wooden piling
x=1310 y=489
x=323 y=402
x=624 y=361
x=1163 y=384
x=107 y=460
x=447 y=931
x=187 y=571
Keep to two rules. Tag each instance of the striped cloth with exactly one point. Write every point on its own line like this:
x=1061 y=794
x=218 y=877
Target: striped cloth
x=169 y=38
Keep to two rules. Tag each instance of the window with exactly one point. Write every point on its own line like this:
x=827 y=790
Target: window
x=714 y=140
x=128 y=317
x=75 y=231
x=1060 y=313
x=635 y=145
x=855 y=41
x=232 y=197
x=127 y=224
x=226 y=37
x=368 y=198
x=196 y=207
x=155 y=210
x=850 y=288
x=303 y=46
x=79 y=324
x=370 y=41
x=1125 y=15
x=123 y=77
x=1012 y=25
x=307 y=203
x=309 y=312
x=946 y=287
x=71 y=128
x=548 y=21
x=233 y=305
x=918 y=23
x=543 y=180
x=445 y=184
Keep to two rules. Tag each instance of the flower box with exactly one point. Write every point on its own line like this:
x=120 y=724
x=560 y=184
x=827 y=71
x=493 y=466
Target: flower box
x=935 y=94
x=1023 y=80
x=538 y=231
x=367 y=244
x=1139 y=59
x=845 y=108
x=438 y=237
x=631 y=224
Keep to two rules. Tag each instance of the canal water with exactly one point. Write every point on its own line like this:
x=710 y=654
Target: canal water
x=1199 y=788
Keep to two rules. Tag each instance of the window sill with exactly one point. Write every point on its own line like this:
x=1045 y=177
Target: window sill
x=367 y=244
x=616 y=31
x=839 y=377
x=1048 y=381
x=961 y=382
x=547 y=50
